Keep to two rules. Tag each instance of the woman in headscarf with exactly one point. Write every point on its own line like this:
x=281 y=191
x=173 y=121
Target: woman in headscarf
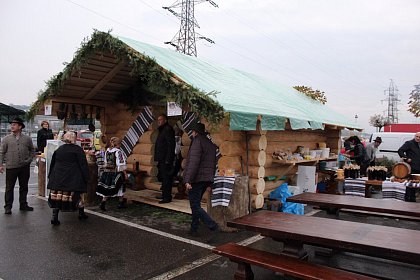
x=68 y=178
x=111 y=183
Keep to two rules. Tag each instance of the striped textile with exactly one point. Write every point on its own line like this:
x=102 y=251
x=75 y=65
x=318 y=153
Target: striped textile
x=390 y=190
x=222 y=190
x=188 y=119
x=355 y=187
x=139 y=126
x=393 y=190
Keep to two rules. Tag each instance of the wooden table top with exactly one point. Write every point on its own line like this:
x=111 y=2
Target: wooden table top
x=367 y=239
x=388 y=206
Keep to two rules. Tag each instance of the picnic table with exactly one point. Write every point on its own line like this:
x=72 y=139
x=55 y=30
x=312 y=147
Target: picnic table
x=333 y=201
x=367 y=239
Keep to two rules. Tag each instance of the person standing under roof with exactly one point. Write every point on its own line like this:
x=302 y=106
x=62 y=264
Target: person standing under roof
x=17 y=151
x=370 y=156
x=164 y=155
x=111 y=182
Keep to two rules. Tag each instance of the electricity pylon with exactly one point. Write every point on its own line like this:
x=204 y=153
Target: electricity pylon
x=392 y=99
x=184 y=40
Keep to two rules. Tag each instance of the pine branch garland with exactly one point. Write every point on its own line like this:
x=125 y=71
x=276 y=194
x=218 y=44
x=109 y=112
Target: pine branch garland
x=156 y=79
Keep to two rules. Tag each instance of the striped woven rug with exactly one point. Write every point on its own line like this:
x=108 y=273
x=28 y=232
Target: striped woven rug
x=139 y=126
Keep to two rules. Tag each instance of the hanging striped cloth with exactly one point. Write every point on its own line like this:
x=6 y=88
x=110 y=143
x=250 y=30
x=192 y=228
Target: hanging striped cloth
x=139 y=126
x=188 y=119
x=222 y=190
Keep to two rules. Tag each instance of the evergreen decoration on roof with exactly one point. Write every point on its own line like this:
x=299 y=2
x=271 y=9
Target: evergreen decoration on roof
x=314 y=94
x=150 y=74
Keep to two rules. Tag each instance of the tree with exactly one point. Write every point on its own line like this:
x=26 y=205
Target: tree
x=378 y=121
x=414 y=101
x=314 y=94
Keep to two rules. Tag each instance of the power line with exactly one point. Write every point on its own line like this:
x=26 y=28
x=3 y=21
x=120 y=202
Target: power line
x=113 y=20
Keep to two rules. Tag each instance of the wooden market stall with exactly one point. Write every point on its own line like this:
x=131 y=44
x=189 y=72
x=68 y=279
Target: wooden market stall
x=113 y=79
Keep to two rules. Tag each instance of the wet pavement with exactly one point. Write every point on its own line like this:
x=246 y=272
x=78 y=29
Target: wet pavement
x=146 y=242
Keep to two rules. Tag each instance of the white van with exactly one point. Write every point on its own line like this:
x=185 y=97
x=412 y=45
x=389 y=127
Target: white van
x=391 y=142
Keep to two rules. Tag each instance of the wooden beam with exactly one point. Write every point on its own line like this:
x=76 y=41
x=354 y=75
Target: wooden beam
x=105 y=80
x=81 y=101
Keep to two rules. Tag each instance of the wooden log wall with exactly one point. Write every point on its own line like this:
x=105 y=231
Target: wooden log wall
x=118 y=122
x=262 y=144
x=231 y=146
x=256 y=160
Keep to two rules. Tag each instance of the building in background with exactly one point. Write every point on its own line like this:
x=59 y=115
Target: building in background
x=402 y=127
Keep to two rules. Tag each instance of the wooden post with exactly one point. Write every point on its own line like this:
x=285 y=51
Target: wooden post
x=41 y=176
x=238 y=205
x=92 y=183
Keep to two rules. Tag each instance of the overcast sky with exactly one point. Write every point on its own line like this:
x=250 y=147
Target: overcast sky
x=348 y=48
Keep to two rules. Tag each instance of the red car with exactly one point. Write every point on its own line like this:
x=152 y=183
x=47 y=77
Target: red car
x=86 y=138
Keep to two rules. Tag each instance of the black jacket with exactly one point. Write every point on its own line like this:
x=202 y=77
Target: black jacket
x=165 y=145
x=41 y=139
x=359 y=154
x=201 y=161
x=69 y=169
x=411 y=150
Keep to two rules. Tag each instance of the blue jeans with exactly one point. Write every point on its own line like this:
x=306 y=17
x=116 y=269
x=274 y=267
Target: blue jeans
x=195 y=195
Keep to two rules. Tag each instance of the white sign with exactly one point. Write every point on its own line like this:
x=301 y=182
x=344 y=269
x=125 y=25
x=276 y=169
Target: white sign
x=174 y=109
x=306 y=178
x=47 y=110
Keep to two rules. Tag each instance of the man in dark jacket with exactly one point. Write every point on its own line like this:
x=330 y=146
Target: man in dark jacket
x=165 y=155
x=199 y=174
x=410 y=152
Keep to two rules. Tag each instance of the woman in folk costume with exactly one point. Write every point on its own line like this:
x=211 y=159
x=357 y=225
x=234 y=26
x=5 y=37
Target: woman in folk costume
x=111 y=183
x=67 y=178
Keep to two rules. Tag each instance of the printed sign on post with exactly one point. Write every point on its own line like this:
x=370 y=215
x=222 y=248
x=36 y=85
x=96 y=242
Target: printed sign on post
x=47 y=110
x=174 y=109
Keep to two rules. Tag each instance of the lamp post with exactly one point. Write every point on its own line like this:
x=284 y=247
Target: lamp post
x=355 y=118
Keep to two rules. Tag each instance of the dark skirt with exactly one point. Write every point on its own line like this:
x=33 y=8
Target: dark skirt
x=111 y=184
x=65 y=201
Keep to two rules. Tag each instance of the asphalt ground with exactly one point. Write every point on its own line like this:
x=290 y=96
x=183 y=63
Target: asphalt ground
x=145 y=242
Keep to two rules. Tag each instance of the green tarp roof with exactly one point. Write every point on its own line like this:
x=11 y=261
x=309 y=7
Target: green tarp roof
x=245 y=95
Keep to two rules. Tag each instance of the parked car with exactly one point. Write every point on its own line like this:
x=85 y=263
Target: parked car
x=86 y=138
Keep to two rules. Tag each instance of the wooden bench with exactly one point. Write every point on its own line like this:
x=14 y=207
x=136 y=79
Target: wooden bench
x=245 y=257
x=391 y=243
x=333 y=202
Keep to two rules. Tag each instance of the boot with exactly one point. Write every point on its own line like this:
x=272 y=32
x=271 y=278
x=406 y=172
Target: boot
x=122 y=204
x=102 y=206
x=54 y=220
x=82 y=215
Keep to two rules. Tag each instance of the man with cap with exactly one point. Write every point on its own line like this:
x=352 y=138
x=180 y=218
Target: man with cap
x=410 y=153
x=199 y=174
x=371 y=150
x=17 y=151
